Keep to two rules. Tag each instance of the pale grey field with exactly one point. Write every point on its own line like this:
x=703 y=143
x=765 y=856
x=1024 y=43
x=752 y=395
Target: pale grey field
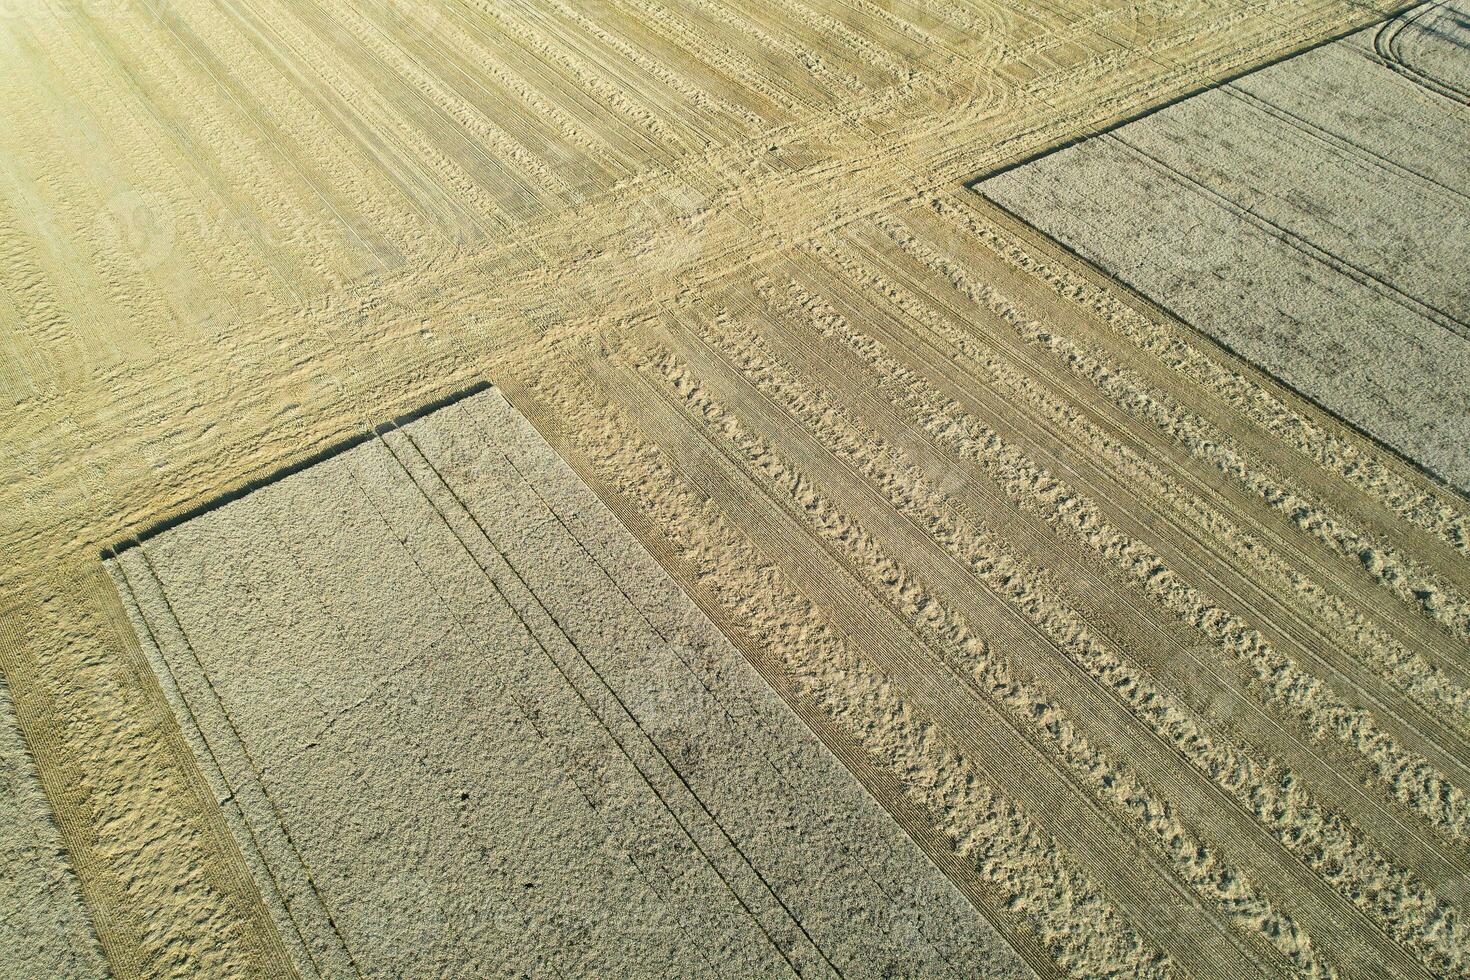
x=466 y=726
x=1313 y=215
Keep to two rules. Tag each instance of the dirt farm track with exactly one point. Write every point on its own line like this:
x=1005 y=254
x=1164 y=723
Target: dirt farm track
x=1121 y=655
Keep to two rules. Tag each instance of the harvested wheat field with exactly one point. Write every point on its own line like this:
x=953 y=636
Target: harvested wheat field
x=854 y=488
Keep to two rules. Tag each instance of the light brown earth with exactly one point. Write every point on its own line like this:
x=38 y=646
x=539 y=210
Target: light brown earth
x=1160 y=664
x=44 y=928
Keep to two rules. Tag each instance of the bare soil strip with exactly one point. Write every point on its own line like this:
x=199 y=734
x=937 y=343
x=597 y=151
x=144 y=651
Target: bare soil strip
x=44 y=927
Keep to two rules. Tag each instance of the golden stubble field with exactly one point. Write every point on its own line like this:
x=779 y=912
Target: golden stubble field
x=1161 y=665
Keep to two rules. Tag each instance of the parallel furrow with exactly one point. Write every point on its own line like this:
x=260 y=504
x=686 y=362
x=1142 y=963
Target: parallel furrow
x=1388 y=731
x=1355 y=868
x=1235 y=516
x=805 y=620
x=941 y=606
x=1366 y=485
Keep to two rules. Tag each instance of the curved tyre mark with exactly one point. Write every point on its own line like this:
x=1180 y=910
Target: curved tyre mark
x=1387 y=44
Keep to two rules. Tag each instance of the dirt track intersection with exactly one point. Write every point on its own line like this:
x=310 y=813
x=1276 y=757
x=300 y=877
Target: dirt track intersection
x=1123 y=655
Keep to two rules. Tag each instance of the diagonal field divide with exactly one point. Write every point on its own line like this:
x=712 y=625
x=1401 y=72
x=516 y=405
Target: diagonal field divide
x=102 y=450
